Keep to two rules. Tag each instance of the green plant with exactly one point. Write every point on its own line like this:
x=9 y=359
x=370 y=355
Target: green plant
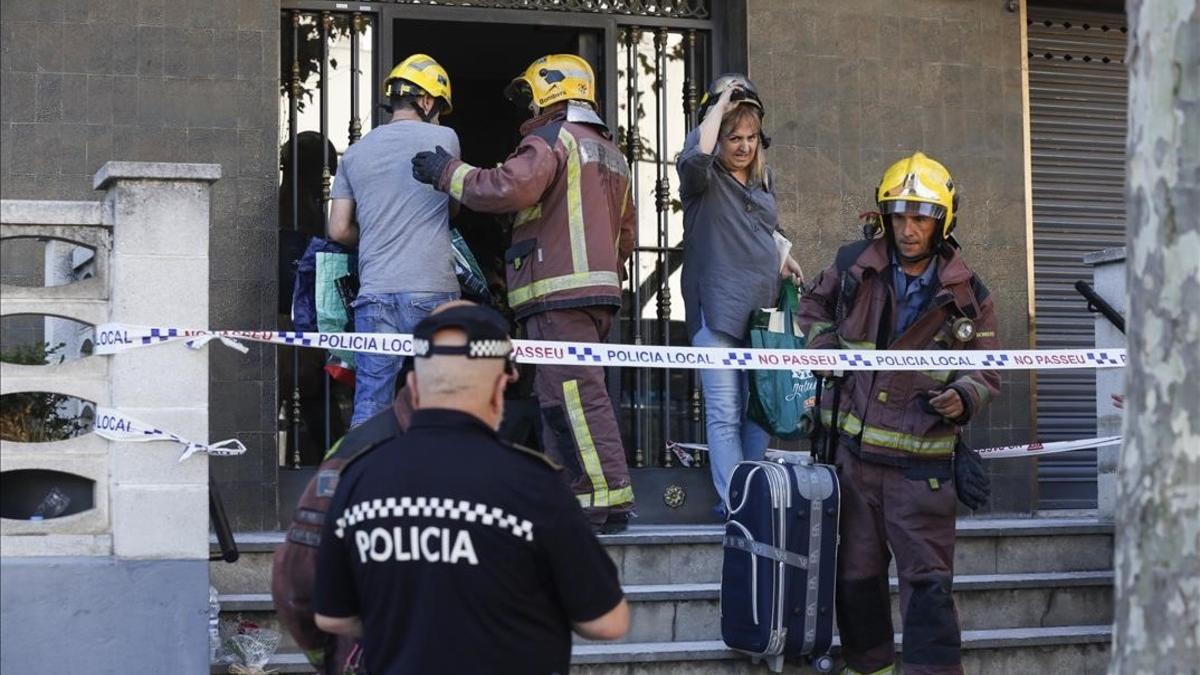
x=36 y=417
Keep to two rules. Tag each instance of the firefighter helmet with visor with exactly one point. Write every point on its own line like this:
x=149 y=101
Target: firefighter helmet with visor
x=551 y=79
x=922 y=186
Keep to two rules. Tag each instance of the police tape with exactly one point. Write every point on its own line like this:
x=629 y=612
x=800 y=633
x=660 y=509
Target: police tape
x=117 y=426
x=681 y=450
x=115 y=338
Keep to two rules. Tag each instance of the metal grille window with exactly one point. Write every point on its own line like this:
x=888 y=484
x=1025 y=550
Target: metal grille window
x=1077 y=92
x=326 y=90
x=662 y=72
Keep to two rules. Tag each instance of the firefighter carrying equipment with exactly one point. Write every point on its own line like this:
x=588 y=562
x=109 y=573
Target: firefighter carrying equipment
x=419 y=75
x=748 y=94
x=919 y=185
x=880 y=411
x=553 y=78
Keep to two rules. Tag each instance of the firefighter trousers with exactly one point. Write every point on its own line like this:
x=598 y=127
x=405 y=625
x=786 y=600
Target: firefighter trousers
x=912 y=512
x=579 y=427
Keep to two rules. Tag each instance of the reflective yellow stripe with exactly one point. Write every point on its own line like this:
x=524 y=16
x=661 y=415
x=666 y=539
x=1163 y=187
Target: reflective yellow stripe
x=537 y=289
x=333 y=450
x=457 y=178
x=583 y=439
x=528 y=215
x=852 y=426
x=575 y=202
x=615 y=497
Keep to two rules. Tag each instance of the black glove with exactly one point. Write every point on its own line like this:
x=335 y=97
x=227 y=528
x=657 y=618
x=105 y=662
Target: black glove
x=971 y=482
x=428 y=167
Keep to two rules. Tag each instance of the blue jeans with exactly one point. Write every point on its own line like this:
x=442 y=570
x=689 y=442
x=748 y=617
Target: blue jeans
x=375 y=374
x=732 y=436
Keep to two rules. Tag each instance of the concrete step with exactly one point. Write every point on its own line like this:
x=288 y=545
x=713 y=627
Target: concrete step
x=691 y=612
x=663 y=554
x=1080 y=649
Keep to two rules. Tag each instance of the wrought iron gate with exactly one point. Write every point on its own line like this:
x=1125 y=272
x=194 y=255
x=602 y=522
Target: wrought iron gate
x=651 y=60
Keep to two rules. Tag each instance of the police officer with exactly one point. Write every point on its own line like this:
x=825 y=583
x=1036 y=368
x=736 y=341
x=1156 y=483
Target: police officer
x=569 y=187
x=446 y=535
x=898 y=452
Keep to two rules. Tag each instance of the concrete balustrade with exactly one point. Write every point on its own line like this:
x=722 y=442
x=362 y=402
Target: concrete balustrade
x=135 y=565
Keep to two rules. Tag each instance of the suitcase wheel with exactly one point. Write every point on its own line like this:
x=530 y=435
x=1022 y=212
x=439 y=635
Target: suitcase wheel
x=823 y=664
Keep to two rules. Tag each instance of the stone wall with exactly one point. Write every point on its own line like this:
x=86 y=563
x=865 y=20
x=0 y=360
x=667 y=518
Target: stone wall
x=853 y=86
x=165 y=81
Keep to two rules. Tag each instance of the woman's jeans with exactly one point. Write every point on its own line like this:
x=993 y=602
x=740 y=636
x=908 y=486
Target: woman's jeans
x=732 y=436
x=375 y=374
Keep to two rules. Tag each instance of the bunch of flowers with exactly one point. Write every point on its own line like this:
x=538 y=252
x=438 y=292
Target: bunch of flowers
x=246 y=647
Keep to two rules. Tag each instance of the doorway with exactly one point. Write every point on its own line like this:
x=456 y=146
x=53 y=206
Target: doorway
x=649 y=70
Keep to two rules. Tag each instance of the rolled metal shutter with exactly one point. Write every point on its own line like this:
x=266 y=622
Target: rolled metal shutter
x=1077 y=92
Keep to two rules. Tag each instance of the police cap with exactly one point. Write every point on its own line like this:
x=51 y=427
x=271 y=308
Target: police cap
x=487 y=334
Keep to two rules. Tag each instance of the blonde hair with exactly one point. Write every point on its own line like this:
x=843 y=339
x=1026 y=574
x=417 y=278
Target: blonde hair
x=735 y=116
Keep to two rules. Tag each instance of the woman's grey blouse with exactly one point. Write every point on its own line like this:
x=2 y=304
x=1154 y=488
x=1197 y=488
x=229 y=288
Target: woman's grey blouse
x=730 y=263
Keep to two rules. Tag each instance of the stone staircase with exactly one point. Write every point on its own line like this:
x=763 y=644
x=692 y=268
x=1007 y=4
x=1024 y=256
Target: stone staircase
x=1034 y=595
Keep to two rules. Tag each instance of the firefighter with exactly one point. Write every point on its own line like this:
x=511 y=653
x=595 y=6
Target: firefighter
x=896 y=434
x=294 y=563
x=569 y=188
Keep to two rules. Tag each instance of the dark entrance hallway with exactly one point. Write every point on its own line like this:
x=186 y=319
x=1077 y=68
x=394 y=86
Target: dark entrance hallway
x=482 y=58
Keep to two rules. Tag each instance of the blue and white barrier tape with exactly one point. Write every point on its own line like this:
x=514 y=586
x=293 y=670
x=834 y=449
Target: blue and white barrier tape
x=115 y=338
x=117 y=426
x=1002 y=452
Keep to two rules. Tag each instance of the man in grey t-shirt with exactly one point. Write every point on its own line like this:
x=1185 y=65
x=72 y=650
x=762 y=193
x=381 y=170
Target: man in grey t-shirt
x=401 y=227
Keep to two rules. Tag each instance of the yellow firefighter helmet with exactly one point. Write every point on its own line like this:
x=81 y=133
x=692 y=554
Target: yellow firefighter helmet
x=554 y=78
x=921 y=185
x=419 y=74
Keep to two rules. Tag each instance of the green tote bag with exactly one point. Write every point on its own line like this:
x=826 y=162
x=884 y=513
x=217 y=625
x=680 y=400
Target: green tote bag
x=779 y=398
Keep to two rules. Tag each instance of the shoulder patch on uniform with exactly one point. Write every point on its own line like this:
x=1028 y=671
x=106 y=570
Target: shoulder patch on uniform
x=534 y=454
x=327 y=480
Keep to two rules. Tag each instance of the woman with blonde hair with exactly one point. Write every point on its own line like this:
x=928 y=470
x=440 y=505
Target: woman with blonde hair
x=731 y=261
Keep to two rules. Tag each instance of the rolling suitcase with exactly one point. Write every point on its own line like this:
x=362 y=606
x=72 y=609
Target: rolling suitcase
x=777 y=581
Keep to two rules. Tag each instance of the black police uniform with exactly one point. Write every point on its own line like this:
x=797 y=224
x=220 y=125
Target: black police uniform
x=461 y=554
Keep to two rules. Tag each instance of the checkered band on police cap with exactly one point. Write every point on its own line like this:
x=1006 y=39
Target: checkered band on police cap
x=487 y=333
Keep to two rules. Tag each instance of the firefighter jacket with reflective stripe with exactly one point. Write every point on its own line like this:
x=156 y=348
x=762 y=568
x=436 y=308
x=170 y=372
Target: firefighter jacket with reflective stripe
x=569 y=187
x=294 y=564
x=852 y=305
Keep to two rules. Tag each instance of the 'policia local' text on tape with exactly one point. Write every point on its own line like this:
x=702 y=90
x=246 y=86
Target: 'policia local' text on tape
x=116 y=338
x=117 y=426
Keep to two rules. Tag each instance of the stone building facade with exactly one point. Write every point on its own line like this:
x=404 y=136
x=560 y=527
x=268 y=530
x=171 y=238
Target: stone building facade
x=850 y=86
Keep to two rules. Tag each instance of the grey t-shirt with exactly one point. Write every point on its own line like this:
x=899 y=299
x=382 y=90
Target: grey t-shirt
x=403 y=225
